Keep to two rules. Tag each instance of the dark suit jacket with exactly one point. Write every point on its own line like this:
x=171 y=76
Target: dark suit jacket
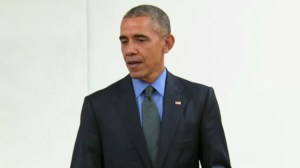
x=110 y=133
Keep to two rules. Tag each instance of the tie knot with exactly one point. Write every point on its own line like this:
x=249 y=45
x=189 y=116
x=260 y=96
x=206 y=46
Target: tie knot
x=148 y=91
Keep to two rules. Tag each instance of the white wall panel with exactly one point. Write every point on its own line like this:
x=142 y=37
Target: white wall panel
x=43 y=81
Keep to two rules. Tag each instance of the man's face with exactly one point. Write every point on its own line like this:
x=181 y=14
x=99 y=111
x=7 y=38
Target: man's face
x=143 y=48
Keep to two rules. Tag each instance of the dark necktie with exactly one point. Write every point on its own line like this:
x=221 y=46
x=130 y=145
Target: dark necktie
x=151 y=123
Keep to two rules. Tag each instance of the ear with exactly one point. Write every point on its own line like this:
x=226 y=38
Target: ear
x=169 y=42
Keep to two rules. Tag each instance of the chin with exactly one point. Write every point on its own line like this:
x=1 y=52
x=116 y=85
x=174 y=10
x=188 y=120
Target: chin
x=135 y=75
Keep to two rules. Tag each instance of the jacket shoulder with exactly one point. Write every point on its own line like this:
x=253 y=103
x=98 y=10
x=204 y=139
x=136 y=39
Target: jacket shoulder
x=111 y=90
x=190 y=85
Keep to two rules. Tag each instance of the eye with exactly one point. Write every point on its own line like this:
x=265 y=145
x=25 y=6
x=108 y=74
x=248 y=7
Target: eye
x=123 y=41
x=141 y=39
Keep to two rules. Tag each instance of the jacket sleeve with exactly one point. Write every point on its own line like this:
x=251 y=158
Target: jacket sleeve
x=87 y=150
x=213 y=148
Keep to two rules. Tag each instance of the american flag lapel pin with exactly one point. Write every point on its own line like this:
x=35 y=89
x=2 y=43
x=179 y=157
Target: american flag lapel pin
x=178 y=102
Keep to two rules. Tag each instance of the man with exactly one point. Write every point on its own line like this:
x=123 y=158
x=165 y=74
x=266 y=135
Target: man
x=150 y=118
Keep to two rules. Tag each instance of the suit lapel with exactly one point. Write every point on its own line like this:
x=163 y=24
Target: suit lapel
x=174 y=103
x=129 y=114
x=173 y=106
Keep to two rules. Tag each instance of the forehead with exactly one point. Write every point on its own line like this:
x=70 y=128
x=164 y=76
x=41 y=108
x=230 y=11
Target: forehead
x=142 y=24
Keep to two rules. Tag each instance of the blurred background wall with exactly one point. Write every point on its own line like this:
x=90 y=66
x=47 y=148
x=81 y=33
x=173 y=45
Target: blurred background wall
x=43 y=79
x=53 y=53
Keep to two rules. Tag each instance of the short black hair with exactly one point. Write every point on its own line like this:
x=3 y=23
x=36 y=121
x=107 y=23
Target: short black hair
x=157 y=15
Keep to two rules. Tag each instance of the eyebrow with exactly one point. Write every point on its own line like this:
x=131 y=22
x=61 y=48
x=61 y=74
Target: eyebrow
x=140 y=35
x=122 y=37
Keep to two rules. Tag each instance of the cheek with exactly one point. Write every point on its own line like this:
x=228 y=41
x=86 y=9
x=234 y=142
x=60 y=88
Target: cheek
x=122 y=50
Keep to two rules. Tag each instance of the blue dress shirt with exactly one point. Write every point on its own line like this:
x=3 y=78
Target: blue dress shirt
x=158 y=95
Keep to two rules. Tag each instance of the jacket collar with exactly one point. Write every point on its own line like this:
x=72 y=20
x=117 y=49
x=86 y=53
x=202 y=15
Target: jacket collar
x=174 y=103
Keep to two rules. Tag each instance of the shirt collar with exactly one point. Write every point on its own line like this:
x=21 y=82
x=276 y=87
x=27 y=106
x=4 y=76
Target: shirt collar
x=159 y=84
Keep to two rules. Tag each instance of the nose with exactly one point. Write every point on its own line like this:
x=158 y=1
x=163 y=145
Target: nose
x=129 y=49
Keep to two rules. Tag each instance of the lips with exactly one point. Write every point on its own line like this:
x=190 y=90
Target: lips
x=133 y=63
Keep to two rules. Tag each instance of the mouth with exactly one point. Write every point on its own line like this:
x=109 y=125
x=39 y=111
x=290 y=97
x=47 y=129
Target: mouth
x=133 y=63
